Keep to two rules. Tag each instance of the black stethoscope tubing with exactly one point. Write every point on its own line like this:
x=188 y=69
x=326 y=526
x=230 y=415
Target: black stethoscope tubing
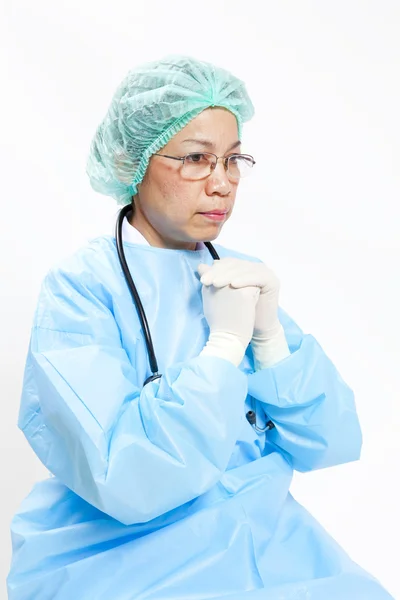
x=251 y=415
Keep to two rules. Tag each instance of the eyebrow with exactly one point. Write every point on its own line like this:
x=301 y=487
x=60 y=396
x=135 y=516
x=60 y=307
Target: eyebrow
x=209 y=144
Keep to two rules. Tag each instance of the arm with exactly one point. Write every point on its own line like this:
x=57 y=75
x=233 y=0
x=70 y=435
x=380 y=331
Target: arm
x=133 y=453
x=312 y=408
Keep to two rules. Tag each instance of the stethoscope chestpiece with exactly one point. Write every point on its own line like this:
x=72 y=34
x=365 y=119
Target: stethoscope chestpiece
x=252 y=419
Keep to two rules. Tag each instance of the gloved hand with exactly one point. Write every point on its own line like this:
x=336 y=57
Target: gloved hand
x=230 y=315
x=268 y=340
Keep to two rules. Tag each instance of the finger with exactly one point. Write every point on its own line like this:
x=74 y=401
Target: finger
x=247 y=279
x=226 y=269
x=206 y=279
x=203 y=268
x=222 y=273
x=209 y=277
x=265 y=279
x=252 y=290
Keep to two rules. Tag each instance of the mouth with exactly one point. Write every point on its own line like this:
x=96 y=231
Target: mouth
x=215 y=215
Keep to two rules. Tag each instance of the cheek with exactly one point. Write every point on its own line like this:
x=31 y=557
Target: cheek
x=180 y=199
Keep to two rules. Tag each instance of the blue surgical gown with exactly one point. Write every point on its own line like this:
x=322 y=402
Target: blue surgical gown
x=166 y=492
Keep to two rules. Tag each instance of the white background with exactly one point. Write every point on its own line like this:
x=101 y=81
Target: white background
x=322 y=208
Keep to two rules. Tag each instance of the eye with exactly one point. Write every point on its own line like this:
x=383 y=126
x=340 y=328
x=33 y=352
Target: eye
x=196 y=157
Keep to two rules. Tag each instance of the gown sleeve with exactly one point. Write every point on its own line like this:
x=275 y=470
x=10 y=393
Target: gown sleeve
x=312 y=408
x=134 y=453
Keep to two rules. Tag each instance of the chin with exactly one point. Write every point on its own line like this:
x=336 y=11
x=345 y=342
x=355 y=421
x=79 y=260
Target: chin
x=207 y=235
x=213 y=232
x=213 y=236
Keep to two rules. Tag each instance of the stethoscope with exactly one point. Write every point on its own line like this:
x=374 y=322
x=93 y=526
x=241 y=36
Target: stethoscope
x=251 y=414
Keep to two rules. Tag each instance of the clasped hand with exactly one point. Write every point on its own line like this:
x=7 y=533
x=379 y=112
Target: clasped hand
x=240 y=302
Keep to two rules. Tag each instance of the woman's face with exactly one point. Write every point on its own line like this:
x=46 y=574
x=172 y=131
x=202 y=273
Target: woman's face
x=170 y=209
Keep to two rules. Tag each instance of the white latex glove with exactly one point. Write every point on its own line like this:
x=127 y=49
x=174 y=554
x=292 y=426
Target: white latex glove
x=268 y=340
x=230 y=315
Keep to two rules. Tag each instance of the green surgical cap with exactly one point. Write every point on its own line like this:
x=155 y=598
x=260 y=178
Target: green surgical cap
x=153 y=103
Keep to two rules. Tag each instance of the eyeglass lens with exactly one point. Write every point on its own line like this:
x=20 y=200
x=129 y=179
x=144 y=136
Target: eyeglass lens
x=198 y=165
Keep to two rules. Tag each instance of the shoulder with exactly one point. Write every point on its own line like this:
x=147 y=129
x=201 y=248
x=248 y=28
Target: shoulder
x=76 y=295
x=86 y=275
x=93 y=259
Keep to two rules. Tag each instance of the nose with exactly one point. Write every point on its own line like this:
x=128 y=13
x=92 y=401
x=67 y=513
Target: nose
x=218 y=181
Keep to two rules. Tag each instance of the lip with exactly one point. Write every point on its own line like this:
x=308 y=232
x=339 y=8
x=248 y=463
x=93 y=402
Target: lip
x=215 y=215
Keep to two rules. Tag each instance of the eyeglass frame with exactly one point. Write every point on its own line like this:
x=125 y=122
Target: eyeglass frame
x=226 y=159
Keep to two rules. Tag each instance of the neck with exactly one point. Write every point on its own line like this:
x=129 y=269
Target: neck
x=138 y=220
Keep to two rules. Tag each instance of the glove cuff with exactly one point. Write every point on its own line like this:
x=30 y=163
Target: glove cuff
x=269 y=351
x=224 y=345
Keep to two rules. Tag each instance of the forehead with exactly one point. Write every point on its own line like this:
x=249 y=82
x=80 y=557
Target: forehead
x=216 y=125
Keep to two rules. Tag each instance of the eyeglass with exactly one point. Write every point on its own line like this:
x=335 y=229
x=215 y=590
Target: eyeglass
x=199 y=165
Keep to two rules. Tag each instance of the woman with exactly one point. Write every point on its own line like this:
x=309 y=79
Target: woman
x=172 y=482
